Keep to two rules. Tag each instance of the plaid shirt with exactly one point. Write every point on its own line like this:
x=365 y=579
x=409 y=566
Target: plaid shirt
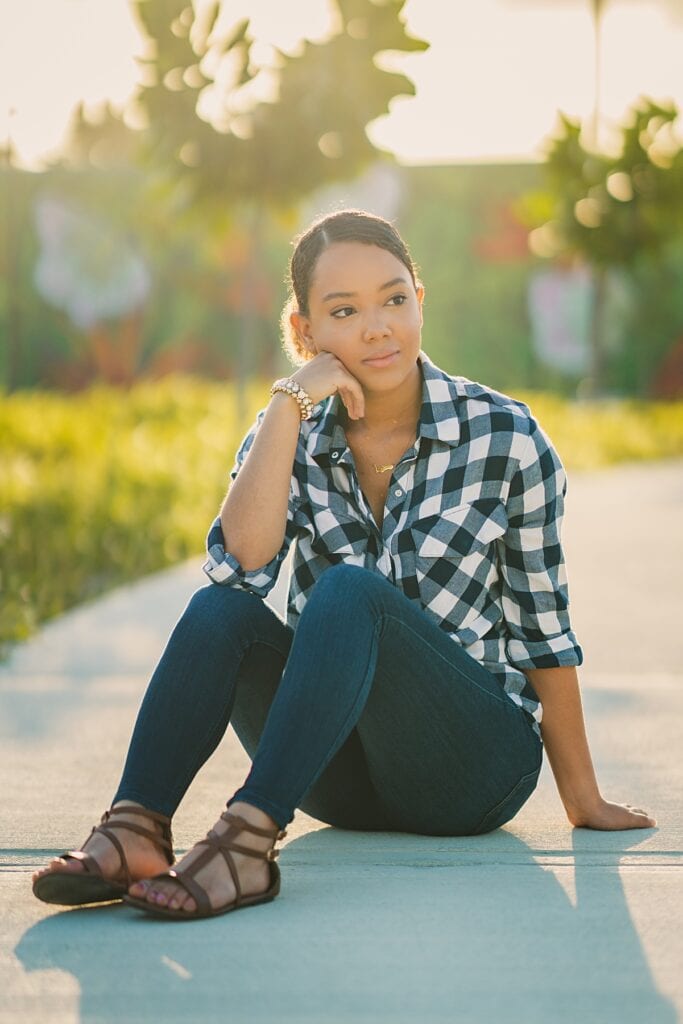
x=471 y=527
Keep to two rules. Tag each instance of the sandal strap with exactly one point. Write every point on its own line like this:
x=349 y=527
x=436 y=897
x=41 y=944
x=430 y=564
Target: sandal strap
x=131 y=826
x=163 y=819
x=192 y=888
x=163 y=841
x=108 y=828
x=119 y=849
x=222 y=844
x=212 y=847
x=90 y=865
x=273 y=833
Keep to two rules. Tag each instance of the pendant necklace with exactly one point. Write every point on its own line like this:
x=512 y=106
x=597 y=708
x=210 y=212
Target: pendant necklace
x=383 y=469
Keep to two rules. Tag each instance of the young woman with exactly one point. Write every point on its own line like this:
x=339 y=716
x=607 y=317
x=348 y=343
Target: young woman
x=427 y=622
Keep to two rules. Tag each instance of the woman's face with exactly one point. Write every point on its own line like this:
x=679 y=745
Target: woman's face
x=364 y=309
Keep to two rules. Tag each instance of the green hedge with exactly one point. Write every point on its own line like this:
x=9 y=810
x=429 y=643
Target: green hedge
x=108 y=486
x=105 y=487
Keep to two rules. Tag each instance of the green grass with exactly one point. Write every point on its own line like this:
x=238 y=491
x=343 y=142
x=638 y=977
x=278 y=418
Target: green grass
x=590 y=435
x=107 y=486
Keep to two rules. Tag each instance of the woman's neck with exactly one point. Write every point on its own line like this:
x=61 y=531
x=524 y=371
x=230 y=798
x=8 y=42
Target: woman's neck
x=393 y=411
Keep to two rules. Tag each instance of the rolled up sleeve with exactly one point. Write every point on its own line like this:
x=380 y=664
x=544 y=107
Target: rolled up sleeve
x=221 y=566
x=534 y=591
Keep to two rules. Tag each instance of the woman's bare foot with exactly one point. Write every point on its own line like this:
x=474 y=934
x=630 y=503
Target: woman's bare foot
x=214 y=877
x=144 y=858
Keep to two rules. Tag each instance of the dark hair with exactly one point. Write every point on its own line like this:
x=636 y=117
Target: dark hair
x=342 y=226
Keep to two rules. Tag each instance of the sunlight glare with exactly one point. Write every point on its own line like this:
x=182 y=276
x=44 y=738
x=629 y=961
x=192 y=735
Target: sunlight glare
x=488 y=89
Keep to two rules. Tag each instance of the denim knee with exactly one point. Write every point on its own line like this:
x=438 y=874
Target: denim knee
x=214 y=608
x=343 y=579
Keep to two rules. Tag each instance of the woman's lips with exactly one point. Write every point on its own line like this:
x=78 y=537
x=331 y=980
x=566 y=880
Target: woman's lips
x=380 y=361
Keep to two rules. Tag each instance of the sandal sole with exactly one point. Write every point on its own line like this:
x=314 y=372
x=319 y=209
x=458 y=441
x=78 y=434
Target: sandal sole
x=75 y=890
x=186 y=915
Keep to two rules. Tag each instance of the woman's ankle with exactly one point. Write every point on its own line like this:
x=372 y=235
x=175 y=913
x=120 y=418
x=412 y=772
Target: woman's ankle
x=254 y=815
x=125 y=803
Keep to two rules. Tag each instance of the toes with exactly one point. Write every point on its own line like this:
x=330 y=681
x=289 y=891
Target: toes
x=181 y=901
x=161 y=894
x=139 y=888
x=59 y=865
x=172 y=896
x=174 y=899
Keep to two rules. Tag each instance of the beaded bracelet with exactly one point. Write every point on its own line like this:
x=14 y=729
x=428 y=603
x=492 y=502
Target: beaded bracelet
x=288 y=386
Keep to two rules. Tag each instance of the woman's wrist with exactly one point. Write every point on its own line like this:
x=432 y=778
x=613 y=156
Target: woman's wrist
x=291 y=387
x=579 y=807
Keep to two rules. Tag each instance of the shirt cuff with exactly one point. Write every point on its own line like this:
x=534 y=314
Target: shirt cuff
x=552 y=652
x=223 y=568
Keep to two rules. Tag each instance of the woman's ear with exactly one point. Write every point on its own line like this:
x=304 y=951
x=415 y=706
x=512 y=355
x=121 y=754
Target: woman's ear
x=302 y=326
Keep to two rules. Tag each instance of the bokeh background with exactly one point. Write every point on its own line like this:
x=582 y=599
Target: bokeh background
x=158 y=156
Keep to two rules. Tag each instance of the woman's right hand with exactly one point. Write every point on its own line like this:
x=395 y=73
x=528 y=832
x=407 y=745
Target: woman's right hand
x=606 y=816
x=326 y=375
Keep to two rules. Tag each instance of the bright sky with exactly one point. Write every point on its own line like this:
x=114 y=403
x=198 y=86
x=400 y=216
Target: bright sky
x=488 y=89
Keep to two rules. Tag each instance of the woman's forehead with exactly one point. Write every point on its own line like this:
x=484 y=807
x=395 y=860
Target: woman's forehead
x=355 y=266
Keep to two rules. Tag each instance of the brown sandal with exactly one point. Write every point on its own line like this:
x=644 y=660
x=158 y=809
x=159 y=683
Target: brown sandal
x=72 y=889
x=214 y=844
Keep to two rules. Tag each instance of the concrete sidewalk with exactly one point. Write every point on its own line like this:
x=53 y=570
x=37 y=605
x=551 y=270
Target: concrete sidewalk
x=534 y=923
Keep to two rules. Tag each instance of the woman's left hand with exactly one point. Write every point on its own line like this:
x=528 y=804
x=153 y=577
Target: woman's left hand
x=607 y=816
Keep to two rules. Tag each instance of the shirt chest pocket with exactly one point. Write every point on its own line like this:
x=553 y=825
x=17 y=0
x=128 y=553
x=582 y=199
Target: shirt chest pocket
x=454 y=563
x=336 y=535
x=460 y=530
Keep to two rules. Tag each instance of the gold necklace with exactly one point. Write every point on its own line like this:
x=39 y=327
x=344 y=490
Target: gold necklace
x=384 y=468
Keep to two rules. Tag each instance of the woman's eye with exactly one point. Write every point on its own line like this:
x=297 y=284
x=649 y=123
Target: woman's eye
x=346 y=311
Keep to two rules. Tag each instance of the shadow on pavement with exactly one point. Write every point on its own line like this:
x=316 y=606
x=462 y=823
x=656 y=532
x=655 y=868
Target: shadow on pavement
x=379 y=927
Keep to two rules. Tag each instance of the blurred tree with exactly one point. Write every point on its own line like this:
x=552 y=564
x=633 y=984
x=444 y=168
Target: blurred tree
x=228 y=143
x=102 y=139
x=620 y=210
x=249 y=156
x=312 y=128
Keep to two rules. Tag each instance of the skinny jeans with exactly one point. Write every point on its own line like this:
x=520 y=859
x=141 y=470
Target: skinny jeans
x=366 y=716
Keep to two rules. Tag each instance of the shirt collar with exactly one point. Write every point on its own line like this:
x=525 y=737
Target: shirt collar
x=438 y=415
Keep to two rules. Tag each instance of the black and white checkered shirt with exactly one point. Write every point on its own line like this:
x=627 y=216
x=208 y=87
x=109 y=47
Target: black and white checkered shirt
x=471 y=527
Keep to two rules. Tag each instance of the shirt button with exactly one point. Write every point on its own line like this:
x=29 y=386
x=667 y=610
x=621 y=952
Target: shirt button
x=335 y=455
x=398 y=492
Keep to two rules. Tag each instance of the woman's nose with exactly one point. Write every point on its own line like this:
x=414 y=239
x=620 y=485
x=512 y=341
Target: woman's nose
x=375 y=326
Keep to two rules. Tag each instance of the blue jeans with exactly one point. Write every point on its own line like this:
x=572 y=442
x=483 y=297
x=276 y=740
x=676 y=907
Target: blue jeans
x=367 y=716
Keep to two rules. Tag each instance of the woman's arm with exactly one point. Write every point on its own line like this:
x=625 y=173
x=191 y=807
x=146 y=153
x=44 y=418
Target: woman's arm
x=254 y=513
x=566 y=744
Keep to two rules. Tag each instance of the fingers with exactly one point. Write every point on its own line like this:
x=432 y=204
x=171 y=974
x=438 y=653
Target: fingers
x=324 y=375
x=640 y=817
x=355 y=406
x=351 y=393
x=639 y=810
x=617 y=817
